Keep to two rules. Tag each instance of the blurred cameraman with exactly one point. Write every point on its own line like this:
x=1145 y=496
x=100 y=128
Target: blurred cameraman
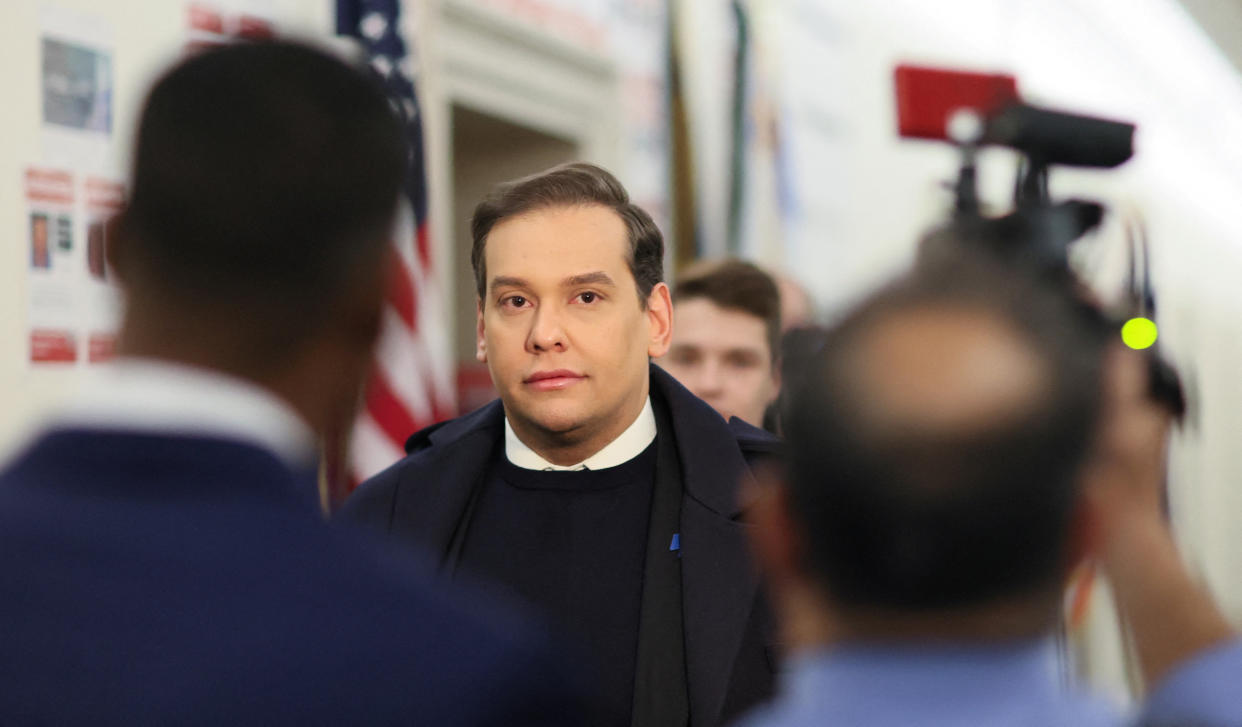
x=962 y=441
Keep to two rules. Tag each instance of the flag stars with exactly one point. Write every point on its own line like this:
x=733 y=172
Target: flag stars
x=373 y=26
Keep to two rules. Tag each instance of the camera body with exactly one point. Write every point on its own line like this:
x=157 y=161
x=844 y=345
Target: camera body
x=972 y=109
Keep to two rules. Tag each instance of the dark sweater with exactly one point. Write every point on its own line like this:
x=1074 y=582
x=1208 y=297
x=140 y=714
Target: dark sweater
x=547 y=537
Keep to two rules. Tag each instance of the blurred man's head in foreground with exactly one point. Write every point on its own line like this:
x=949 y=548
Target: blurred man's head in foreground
x=936 y=452
x=726 y=337
x=264 y=183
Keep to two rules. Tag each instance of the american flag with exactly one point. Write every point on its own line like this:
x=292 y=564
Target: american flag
x=411 y=384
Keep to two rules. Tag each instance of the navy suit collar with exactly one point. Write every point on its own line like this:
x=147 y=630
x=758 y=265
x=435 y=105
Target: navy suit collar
x=433 y=497
x=213 y=467
x=487 y=417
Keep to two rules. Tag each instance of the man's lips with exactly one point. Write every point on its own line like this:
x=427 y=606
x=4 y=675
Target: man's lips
x=552 y=380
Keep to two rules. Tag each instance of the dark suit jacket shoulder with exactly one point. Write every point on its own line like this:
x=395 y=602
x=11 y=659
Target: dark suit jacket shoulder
x=191 y=580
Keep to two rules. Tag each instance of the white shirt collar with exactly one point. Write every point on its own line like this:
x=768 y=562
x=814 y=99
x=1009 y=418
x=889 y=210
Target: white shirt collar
x=628 y=445
x=150 y=395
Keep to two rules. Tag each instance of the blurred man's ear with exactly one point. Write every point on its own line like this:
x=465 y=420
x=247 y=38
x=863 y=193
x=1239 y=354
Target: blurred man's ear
x=116 y=246
x=354 y=321
x=774 y=536
x=1086 y=532
x=339 y=354
x=368 y=316
x=802 y=608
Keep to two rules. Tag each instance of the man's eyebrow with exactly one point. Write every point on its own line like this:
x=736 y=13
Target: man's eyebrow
x=507 y=281
x=598 y=277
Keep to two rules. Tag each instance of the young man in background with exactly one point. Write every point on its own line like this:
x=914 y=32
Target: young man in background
x=726 y=344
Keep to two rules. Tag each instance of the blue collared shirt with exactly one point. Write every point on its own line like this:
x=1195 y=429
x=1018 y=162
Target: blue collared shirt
x=1009 y=684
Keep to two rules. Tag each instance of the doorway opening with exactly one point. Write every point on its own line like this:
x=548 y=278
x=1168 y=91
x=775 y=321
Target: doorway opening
x=487 y=149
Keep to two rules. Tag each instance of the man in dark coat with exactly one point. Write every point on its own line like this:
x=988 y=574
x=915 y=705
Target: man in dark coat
x=165 y=558
x=597 y=488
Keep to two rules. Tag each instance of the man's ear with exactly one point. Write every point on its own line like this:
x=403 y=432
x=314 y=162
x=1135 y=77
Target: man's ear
x=360 y=312
x=659 y=320
x=1086 y=532
x=480 y=343
x=116 y=246
x=774 y=537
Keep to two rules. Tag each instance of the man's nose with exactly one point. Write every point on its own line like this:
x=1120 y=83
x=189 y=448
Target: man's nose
x=547 y=331
x=710 y=381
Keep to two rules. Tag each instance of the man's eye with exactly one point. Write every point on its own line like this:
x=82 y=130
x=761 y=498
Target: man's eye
x=514 y=301
x=588 y=297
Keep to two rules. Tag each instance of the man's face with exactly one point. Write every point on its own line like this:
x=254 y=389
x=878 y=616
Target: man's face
x=722 y=356
x=562 y=329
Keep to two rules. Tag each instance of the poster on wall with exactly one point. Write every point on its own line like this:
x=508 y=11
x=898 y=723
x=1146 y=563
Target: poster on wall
x=210 y=24
x=71 y=188
x=52 y=305
x=101 y=302
x=77 y=86
x=77 y=91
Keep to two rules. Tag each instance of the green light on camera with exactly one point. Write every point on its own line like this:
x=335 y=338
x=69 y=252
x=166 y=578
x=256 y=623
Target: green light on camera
x=1139 y=333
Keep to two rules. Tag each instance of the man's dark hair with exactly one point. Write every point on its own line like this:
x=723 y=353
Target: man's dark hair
x=570 y=185
x=902 y=517
x=736 y=285
x=265 y=174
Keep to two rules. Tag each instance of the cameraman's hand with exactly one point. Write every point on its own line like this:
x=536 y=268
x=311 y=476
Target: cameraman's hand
x=1171 y=616
x=1126 y=479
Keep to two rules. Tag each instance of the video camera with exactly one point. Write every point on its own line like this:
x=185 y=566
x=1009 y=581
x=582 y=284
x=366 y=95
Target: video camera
x=972 y=110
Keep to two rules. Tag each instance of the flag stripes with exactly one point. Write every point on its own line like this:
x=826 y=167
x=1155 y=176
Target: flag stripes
x=411 y=385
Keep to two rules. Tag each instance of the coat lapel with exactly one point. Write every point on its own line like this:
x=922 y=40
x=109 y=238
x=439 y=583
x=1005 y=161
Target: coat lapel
x=718 y=580
x=718 y=591
x=433 y=495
